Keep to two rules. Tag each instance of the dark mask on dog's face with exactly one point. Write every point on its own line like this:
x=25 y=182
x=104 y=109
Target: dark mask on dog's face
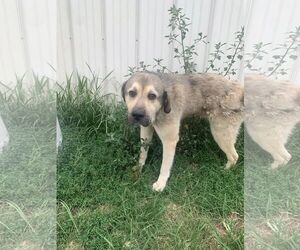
x=145 y=96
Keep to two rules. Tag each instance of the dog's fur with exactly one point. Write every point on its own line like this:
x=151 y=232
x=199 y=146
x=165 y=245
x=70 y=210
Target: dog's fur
x=160 y=101
x=272 y=109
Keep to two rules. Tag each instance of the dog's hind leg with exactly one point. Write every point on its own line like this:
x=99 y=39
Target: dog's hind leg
x=272 y=140
x=225 y=131
x=146 y=134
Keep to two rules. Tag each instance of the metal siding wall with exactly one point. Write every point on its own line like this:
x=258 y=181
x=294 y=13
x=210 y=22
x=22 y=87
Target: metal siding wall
x=278 y=18
x=114 y=34
x=11 y=46
x=28 y=38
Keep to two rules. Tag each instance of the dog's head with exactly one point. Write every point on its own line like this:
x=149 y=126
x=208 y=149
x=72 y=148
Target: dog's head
x=145 y=96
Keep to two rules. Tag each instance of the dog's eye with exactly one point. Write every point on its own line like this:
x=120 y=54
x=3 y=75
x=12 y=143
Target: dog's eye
x=132 y=93
x=151 y=96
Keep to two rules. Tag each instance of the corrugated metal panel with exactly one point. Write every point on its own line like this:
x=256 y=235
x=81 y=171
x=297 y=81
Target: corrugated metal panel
x=28 y=37
x=114 y=34
x=269 y=23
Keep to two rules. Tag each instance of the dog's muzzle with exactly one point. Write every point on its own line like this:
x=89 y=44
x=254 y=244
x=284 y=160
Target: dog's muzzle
x=139 y=116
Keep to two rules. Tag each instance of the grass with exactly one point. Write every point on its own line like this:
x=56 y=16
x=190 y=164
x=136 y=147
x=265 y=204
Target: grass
x=28 y=190
x=101 y=204
x=272 y=198
x=110 y=208
x=28 y=164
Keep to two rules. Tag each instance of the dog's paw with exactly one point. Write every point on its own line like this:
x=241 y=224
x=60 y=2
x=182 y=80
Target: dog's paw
x=282 y=162
x=231 y=163
x=277 y=164
x=159 y=186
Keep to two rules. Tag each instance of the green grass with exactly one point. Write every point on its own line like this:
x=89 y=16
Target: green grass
x=272 y=201
x=28 y=167
x=30 y=103
x=101 y=204
x=201 y=208
x=28 y=190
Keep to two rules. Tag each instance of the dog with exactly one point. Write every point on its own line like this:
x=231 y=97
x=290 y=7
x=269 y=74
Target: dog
x=272 y=110
x=159 y=101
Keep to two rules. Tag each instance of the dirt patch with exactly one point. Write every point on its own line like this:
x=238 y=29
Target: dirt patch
x=27 y=245
x=130 y=245
x=234 y=222
x=290 y=222
x=105 y=208
x=102 y=208
x=281 y=225
x=73 y=245
x=284 y=222
x=251 y=244
x=173 y=212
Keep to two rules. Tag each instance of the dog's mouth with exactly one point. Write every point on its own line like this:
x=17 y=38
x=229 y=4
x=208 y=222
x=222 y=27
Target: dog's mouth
x=144 y=121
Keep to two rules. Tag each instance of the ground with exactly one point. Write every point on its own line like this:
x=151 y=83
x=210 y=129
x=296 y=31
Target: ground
x=272 y=202
x=28 y=189
x=103 y=205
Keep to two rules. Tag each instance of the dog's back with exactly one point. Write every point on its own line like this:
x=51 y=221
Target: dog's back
x=278 y=98
x=205 y=94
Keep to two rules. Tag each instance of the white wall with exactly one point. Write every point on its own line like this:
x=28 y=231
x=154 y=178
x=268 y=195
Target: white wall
x=113 y=34
x=268 y=22
x=27 y=38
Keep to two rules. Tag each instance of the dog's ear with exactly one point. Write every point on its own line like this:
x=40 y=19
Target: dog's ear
x=123 y=90
x=166 y=103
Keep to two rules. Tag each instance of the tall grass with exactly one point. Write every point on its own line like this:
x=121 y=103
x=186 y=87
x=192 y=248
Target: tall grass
x=78 y=101
x=31 y=103
x=82 y=103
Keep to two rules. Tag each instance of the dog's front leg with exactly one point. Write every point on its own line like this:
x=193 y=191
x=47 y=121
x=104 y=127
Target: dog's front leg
x=169 y=136
x=146 y=135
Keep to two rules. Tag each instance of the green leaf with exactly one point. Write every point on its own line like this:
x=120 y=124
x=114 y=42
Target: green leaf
x=294 y=57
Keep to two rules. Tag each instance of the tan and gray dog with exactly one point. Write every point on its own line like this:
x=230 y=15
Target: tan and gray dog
x=160 y=101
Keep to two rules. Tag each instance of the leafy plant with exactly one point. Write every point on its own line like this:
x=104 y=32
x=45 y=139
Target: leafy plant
x=286 y=52
x=214 y=56
x=141 y=67
x=257 y=54
x=289 y=50
x=159 y=67
x=236 y=54
x=185 y=54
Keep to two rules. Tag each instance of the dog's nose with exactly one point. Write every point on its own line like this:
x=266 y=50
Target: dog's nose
x=138 y=114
